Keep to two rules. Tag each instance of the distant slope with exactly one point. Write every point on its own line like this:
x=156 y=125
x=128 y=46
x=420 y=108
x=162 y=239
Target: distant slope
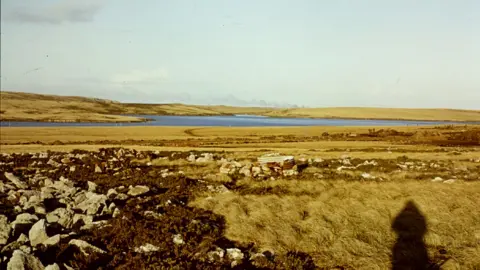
x=381 y=113
x=18 y=106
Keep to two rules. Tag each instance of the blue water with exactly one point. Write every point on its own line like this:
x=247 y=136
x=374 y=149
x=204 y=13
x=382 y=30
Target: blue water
x=233 y=121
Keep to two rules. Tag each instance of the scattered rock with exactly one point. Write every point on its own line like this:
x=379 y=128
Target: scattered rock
x=235 y=255
x=4 y=230
x=17 y=182
x=216 y=255
x=22 y=239
x=92 y=187
x=147 y=248
x=218 y=189
x=52 y=241
x=86 y=248
x=38 y=233
x=138 y=190
x=98 y=169
x=23 y=222
x=437 y=179
x=450 y=181
x=367 y=176
x=178 y=239
x=92 y=204
x=22 y=261
x=52 y=267
x=450 y=264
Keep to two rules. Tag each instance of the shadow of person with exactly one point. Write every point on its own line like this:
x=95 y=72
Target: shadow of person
x=409 y=251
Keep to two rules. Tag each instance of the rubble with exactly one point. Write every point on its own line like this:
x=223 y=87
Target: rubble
x=130 y=211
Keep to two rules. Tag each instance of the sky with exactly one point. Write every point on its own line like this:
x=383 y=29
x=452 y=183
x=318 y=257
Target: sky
x=375 y=53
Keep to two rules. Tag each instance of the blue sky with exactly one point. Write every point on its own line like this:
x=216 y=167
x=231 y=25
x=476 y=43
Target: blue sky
x=315 y=53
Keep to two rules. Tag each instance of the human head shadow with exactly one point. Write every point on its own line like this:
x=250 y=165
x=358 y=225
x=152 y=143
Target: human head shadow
x=409 y=250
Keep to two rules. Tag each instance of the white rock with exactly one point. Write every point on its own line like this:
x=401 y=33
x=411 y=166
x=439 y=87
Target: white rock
x=234 y=254
x=52 y=267
x=17 y=182
x=62 y=216
x=22 y=261
x=216 y=255
x=121 y=197
x=85 y=219
x=367 y=176
x=92 y=187
x=26 y=249
x=22 y=222
x=5 y=230
x=246 y=170
x=147 y=248
x=256 y=171
x=111 y=193
x=152 y=214
x=178 y=239
x=450 y=181
x=290 y=172
x=98 y=169
x=52 y=241
x=191 y=158
x=116 y=212
x=92 y=204
x=437 y=179
x=85 y=247
x=38 y=233
x=138 y=190
x=22 y=239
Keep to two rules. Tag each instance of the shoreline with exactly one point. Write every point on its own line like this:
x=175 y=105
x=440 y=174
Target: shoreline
x=145 y=120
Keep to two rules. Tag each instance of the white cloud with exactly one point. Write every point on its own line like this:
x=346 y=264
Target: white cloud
x=55 y=13
x=141 y=77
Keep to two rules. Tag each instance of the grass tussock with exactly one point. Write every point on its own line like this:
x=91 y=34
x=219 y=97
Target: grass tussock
x=349 y=224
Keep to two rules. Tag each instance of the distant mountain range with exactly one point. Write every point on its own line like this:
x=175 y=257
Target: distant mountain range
x=227 y=100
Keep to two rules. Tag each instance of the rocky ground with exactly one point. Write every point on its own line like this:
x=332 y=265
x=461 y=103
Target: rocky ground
x=117 y=208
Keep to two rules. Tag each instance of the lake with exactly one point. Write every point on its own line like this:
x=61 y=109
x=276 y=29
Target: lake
x=233 y=121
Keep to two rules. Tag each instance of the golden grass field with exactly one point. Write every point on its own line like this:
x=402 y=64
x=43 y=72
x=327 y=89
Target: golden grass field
x=17 y=106
x=337 y=220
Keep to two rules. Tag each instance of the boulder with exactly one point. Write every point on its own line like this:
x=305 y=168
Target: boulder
x=17 y=182
x=62 y=216
x=38 y=233
x=23 y=222
x=81 y=220
x=52 y=241
x=5 y=230
x=92 y=204
x=22 y=261
x=138 y=190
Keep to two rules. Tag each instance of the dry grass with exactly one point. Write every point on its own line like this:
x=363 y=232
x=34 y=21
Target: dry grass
x=342 y=223
x=36 y=107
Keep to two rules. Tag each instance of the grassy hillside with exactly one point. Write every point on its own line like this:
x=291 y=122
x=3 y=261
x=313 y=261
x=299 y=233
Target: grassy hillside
x=381 y=113
x=17 y=106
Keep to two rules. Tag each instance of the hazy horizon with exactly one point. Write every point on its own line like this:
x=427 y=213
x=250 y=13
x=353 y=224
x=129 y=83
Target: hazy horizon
x=277 y=53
